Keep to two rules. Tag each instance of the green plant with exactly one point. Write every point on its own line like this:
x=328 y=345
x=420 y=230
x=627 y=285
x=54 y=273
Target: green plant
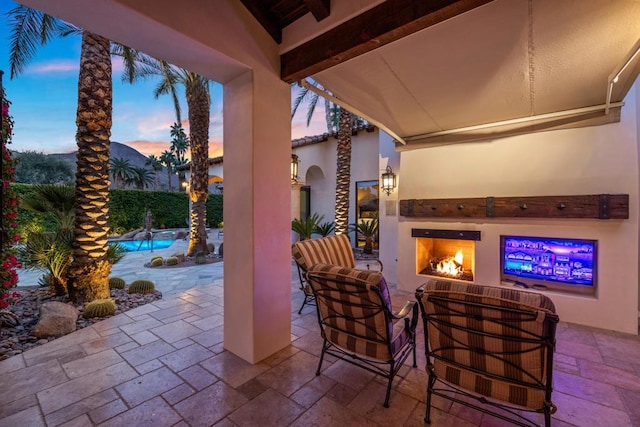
x=306 y=227
x=115 y=252
x=172 y=260
x=142 y=286
x=368 y=229
x=157 y=262
x=201 y=258
x=99 y=308
x=221 y=250
x=156 y=257
x=116 y=283
x=325 y=228
x=52 y=253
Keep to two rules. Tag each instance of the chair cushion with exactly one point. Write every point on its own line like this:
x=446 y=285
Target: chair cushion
x=353 y=310
x=489 y=357
x=340 y=251
x=309 y=252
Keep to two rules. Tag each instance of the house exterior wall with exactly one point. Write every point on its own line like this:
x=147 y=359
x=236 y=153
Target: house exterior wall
x=317 y=168
x=593 y=160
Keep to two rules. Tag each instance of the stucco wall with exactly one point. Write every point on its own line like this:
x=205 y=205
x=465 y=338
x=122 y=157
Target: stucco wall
x=317 y=168
x=594 y=160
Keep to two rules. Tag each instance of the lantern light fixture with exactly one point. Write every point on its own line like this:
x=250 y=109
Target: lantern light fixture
x=388 y=181
x=294 y=168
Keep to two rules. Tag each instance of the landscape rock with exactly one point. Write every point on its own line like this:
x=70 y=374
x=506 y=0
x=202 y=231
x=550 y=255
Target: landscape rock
x=56 y=319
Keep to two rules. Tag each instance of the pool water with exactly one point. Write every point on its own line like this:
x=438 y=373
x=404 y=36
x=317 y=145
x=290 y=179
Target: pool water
x=143 y=245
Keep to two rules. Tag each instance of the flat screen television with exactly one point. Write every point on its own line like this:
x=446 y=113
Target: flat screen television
x=567 y=265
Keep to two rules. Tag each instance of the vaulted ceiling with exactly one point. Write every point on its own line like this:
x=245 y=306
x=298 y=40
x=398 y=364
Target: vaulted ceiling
x=454 y=71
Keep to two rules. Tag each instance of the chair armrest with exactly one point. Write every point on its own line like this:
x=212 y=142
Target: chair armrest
x=405 y=310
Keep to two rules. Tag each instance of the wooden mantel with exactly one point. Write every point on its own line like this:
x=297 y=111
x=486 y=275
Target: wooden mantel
x=598 y=206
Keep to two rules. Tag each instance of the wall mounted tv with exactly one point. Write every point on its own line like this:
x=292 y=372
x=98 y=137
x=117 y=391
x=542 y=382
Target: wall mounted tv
x=568 y=265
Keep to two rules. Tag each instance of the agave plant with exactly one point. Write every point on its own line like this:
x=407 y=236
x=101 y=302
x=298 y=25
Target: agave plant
x=306 y=227
x=368 y=229
x=325 y=228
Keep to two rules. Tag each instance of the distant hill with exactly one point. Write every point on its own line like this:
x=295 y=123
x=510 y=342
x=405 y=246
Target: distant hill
x=121 y=151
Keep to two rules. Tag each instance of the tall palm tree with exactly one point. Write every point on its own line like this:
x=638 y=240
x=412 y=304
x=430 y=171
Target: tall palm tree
x=121 y=171
x=139 y=66
x=168 y=159
x=90 y=267
x=179 y=147
x=156 y=166
x=343 y=170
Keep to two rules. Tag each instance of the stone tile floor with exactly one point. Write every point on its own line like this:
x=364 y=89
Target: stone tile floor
x=163 y=364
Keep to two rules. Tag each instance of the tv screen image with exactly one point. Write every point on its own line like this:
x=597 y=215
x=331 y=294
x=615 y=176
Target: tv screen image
x=549 y=263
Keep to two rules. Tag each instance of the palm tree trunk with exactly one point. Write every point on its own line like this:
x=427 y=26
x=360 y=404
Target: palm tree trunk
x=89 y=269
x=198 y=104
x=343 y=173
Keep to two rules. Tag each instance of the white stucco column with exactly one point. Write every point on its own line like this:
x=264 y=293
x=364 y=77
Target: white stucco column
x=257 y=215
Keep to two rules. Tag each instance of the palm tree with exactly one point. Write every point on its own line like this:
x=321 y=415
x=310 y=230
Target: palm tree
x=156 y=166
x=179 y=147
x=168 y=159
x=121 y=171
x=141 y=178
x=90 y=267
x=343 y=171
x=57 y=199
x=139 y=66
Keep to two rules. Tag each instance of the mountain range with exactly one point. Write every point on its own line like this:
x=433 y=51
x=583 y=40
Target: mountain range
x=122 y=151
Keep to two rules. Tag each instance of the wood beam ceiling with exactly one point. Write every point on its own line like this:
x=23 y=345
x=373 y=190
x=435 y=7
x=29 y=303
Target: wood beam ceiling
x=383 y=24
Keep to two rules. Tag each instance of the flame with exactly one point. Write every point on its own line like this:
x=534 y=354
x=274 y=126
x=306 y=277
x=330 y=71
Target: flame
x=452 y=266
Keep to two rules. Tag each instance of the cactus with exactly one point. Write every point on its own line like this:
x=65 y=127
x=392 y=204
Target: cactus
x=172 y=260
x=99 y=308
x=142 y=286
x=211 y=247
x=220 y=251
x=157 y=262
x=201 y=258
x=116 y=283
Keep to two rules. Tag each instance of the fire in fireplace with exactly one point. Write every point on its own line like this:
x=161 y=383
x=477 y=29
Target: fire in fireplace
x=450 y=254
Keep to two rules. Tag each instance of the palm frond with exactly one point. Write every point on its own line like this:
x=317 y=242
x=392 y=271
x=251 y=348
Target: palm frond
x=30 y=29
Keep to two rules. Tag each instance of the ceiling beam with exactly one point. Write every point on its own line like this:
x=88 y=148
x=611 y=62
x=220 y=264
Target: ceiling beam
x=320 y=9
x=383 y=24
x=268 y=20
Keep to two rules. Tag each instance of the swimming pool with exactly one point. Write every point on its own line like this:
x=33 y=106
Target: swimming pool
x=143 y=245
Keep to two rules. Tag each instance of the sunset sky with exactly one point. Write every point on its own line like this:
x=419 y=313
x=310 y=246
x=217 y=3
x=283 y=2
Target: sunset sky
x=44 y=103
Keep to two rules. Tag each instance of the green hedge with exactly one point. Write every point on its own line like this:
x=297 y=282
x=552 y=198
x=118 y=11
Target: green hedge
x=127 y=209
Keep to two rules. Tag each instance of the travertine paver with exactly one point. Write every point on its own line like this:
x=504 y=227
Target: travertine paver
x=164 y=364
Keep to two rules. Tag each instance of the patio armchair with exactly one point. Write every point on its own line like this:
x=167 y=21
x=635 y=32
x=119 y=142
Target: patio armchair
x=491 y=345
x=357 y=322
x=335 y=250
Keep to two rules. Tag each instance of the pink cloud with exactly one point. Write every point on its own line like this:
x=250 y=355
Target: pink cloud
x=148 y=147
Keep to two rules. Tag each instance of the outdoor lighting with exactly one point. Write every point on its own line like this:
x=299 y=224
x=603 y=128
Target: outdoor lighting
x=294 y=168
x=388 y=181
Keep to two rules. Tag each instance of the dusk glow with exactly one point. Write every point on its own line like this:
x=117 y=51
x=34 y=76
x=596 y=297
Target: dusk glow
x=44 y=103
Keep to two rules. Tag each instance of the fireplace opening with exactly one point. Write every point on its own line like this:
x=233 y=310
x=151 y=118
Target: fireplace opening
x=448 y=254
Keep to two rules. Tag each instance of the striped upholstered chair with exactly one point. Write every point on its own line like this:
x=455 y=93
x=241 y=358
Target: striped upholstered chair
x=335 y=250
x=490 y=344
x=357 y=322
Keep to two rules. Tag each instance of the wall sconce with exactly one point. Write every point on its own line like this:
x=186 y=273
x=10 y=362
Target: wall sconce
x=294 y=168
x=388 y=181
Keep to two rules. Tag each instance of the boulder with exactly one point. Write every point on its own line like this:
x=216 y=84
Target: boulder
x=56 y=319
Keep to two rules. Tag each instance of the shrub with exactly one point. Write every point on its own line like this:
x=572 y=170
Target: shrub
x=157 y=262
x=172 y=260
x=201 y=258
x=116 y=283
x=99 y=308
x=142 y=286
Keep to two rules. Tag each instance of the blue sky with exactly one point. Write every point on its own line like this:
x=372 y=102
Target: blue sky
x=44 y=103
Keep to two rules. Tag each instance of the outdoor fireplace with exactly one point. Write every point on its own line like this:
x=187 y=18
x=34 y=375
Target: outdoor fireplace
x=446 y=253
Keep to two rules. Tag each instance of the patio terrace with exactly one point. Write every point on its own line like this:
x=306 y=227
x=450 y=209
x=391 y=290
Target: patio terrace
x=163 y=364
